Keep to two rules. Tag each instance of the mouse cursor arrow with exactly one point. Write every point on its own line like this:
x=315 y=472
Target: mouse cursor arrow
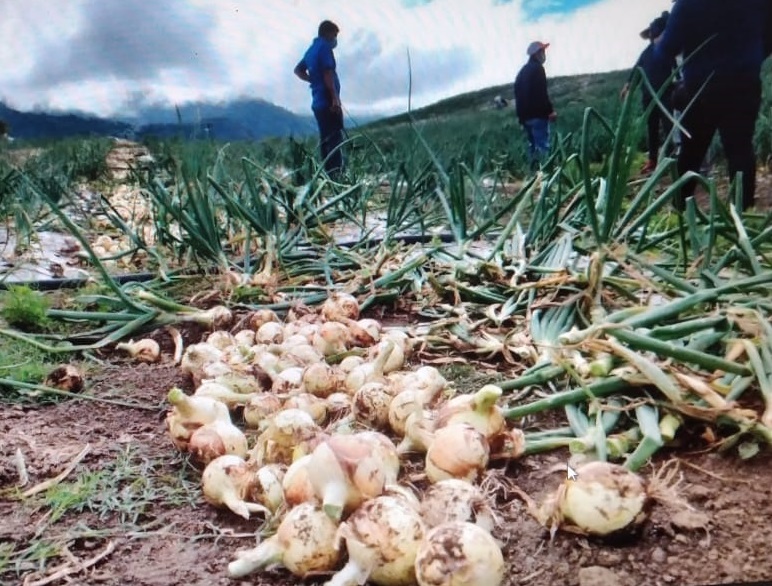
x=571 y=473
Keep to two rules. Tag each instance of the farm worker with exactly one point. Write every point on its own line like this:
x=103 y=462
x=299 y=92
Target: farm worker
x=318 y=68
x=723 y=47
x=534 y=109
x=658 y=72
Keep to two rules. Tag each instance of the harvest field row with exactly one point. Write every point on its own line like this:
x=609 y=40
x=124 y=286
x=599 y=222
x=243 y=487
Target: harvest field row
x=426 y=320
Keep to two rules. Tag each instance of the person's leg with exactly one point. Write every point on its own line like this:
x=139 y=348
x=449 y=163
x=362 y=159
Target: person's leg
x=537 y=130
x=330 y=138
x=742 y=101
x=652 y=136
x=700 y=122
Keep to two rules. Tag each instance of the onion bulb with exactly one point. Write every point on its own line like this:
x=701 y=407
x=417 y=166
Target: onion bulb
x=382 y=538
x=244 y=338
x=304 y=544
x=296 y=484
x=396 y=355
x=456 y=500
x=196 y=357
x=338 y=404
x=321 y=379
x=270 y=333
x=604 y=499
x=349 y=363
x=419 y=432
x=370 y=405
x=345 y=471
x=145 y=350
x=369 y=371
x=340 y=305
x=478 y=410
x=457 y=451
x=385 y=451
x=220 y=339
x=314 y=406
x=459 y=554
x=226 y=482
x=288 y=380
x=215 y=439
x=286 y=431
x=190 y=413
x=331 y=338
x=259 y=409
x=220 y=392
x=267 y=488
x=257 y=318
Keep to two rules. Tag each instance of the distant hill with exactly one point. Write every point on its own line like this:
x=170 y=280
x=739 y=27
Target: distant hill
x=38 y=125
x=243 y=119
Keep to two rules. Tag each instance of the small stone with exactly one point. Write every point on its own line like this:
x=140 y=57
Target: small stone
x=597 y=576
x=658 y=555
x=690 y=520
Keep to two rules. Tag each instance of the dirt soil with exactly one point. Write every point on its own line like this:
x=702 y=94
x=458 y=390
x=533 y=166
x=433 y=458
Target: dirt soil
x=132 y=512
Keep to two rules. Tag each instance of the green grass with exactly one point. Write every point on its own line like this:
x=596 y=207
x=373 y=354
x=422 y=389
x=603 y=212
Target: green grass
x=24 y=308
x=125 y=494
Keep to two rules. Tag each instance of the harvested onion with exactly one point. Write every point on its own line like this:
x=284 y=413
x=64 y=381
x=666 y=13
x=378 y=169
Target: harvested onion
x=145 y=350
x=259 y=409
x=457 y=451
x=370 y=405
x=322 y=380
x=456 y=500
x=296 y=484
x=304 y=543
x=382 y=538
x=340 y=305
x=227 y=481
x=478 y=410
x=459 y=554
x=604 y=499
x=190 y=413
x=215 y=439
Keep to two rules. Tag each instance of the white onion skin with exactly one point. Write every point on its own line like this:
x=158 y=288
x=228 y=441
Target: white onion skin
x=459 y=554
x=314 y=406
x=220 y=339
x=259 y=317
x=322 y=380
x=196 y=357
x=145 y=350
x=457 y=451
x=345 y=471
x=226 y=481
x=455 y=500
x=478 y=409
x=303 y=543
x=349 y=363
x=340 y=306
x=605 y=499
x=370 y=405
x=189 y=413
x=331 y=338
x=296 y=484
x=259 y=409
x=218 y=438
x=270 y=333
x=245 y=338
x=382 y=538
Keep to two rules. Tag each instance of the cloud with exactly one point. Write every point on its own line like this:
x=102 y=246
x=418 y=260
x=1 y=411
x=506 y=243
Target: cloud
x=379 y=73
x=124 y=40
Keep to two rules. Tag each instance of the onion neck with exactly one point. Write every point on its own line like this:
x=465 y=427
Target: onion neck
x=269 y=552
x=334 y=498
x=352 y=574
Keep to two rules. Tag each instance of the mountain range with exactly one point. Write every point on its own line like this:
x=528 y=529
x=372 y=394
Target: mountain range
x=240 y=119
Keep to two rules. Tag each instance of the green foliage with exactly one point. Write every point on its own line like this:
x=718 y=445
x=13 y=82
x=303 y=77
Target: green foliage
x=24 y=308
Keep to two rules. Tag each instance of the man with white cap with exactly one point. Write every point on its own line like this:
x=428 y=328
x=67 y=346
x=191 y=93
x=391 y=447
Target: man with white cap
x=534 y=108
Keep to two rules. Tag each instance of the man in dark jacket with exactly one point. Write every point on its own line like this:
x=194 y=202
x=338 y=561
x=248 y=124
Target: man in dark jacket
x=534 y=109
x=723 y=46
x=658 y=72
x=318 y=68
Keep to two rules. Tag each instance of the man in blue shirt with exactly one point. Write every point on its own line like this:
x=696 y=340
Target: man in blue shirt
x=534 y=108
x=723 y=47
x=657 y=71
x=317 y=67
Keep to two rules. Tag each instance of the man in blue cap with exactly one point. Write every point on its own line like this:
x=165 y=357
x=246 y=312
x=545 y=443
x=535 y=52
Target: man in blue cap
x=533 y=105
x=318 y=68
x=658 y=72
x=723 y=44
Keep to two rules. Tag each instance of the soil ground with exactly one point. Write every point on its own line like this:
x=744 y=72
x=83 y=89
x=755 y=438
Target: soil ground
x=135 y=500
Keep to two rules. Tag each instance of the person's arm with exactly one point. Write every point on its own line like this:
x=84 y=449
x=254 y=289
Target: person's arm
x=626 y=87
x=672 y=41
x=541 y=82
x=329 y=83
x=302 y=71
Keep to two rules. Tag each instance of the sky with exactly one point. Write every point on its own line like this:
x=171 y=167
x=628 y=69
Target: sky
x=109 y=57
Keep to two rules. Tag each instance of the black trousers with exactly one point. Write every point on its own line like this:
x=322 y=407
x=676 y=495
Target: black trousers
x=657 y=125
x=330 y=138
x=730 y=106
